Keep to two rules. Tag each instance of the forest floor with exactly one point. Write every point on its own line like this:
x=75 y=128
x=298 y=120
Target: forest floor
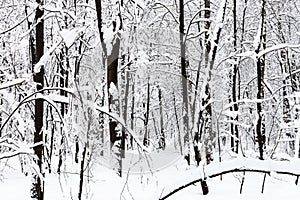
x=103 y=183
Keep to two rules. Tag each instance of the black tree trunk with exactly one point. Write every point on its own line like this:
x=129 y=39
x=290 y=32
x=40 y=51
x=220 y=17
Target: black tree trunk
x=38 y=183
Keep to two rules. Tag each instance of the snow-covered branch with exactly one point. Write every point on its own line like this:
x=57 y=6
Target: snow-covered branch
x=44 y=59
x=254 y=56
x=16 y=148
x=31 y=98
x=12 y=83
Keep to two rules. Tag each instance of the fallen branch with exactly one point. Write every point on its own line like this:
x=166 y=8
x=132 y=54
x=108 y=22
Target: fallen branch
x=180 y=188
x=232 y=170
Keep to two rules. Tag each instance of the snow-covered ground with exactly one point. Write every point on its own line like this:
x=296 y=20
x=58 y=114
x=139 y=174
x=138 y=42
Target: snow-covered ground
x=105 y=184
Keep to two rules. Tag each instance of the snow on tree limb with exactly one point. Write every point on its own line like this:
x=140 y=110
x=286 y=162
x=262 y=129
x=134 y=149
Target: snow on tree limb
x=277 y=47
x=14 y=82
x=31 y=98
x=16 y=148
x=70 y=35
x=121 y=121
x=254 y=56
x=44 y=59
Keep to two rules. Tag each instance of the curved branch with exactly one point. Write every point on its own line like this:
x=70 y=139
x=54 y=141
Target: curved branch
x=191 y=21
x=159 y=3
x=27 y=99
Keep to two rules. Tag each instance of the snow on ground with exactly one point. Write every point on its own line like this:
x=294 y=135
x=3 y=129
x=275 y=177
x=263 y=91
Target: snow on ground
x=104 y=184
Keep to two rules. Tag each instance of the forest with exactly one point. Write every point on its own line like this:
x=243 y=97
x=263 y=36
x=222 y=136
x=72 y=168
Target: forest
x=149 y=99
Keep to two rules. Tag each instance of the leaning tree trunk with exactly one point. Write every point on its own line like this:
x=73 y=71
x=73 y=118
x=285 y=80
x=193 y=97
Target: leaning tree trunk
x=210 y=54
x=37 y=191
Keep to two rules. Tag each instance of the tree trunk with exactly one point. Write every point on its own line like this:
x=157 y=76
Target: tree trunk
x=177 y=124
x=113 y=101
x=81 y=173
x=235 y=131
x=260 y=91
x=132 y=112
x=38 y=183
x=184 y=81
x=146 y=141
x=63 y=109
x=112 y=85
x=162 y=141
x=207 y=113
x=125 y=76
